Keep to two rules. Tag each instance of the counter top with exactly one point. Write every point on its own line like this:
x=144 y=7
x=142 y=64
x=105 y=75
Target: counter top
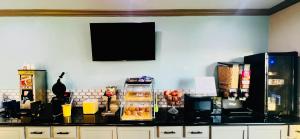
x=162 y=119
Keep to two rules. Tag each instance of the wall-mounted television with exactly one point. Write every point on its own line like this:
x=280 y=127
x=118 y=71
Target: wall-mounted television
x=123 y=41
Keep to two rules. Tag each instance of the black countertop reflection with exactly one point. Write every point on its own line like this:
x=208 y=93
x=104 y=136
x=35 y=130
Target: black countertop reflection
x=162 y=119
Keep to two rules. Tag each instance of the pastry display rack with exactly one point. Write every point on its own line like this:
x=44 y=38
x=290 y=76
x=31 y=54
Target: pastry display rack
x=138 y=100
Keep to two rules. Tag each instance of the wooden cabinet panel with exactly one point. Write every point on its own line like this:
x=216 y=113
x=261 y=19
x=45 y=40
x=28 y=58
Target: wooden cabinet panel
x=12 y=133
x=268 y=132
x=294 y=132
x=230 y=132
x=98 y=132
x=135 y=132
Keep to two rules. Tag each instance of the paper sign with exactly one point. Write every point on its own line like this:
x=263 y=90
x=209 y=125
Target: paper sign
x=205 y=86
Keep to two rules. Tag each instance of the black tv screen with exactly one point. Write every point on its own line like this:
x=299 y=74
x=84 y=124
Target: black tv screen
x=123 y=41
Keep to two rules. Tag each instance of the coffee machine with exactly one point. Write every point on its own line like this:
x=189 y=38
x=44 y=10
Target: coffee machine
x=33 y=87
x=273 y=83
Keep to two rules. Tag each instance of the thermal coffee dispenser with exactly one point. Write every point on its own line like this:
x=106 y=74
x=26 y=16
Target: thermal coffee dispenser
x=33 y=87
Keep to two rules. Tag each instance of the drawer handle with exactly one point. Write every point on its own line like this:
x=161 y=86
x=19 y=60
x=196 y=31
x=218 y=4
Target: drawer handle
x=36 y=132
x=298 y=131
x=62 y=133
x=196 y=132
x=169 y=132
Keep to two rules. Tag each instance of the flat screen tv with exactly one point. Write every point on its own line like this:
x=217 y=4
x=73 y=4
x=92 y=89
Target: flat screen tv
x=123 y=41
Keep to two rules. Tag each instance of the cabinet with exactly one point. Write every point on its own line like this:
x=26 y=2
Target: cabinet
x=12 y=133
x=174 y=132
x=37 y=132
x=268 y=132
x=64 y=132
x=199 y=132
x=135 y=132
x=98 y=132
x=294 y=132
x=232 y=132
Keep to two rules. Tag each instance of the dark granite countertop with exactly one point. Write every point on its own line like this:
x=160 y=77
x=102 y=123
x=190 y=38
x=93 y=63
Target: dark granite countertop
x=162 y=119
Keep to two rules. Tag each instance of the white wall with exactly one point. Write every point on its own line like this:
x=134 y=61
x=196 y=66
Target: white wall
x=186 y=47
x=285 y=30
x=284 y=34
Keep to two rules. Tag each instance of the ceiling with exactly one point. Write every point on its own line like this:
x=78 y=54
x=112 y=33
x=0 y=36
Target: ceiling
x=138 y=4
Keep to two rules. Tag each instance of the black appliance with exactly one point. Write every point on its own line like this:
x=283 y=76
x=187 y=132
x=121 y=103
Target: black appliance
x=197 y=107
x=12 y=109
x=123 y=41
x=273 y=87
x=233 y=84
x=59 y=89
x=52 y=110
x=42 y=111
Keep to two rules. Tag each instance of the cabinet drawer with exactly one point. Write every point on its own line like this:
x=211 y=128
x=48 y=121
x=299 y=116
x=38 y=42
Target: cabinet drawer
x=295 y=131
x=170 y=132
x=64 y=131
x=197 y=131
x=38 y=132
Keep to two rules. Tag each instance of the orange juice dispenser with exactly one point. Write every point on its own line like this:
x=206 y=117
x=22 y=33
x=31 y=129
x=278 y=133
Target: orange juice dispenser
x=33 y=87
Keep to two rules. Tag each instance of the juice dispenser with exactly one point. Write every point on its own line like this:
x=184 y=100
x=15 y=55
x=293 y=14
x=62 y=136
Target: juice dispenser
x=274 y=83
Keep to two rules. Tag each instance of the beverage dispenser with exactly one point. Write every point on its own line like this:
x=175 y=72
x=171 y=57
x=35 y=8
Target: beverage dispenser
x=33 y=87
x=273 y=85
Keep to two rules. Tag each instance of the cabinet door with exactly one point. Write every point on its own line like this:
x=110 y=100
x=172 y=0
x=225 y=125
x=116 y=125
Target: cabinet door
x=230 y=132
x=98 y=133
x=12 y=133
x=135 y=132
x=268 y=132
x=295 y=131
